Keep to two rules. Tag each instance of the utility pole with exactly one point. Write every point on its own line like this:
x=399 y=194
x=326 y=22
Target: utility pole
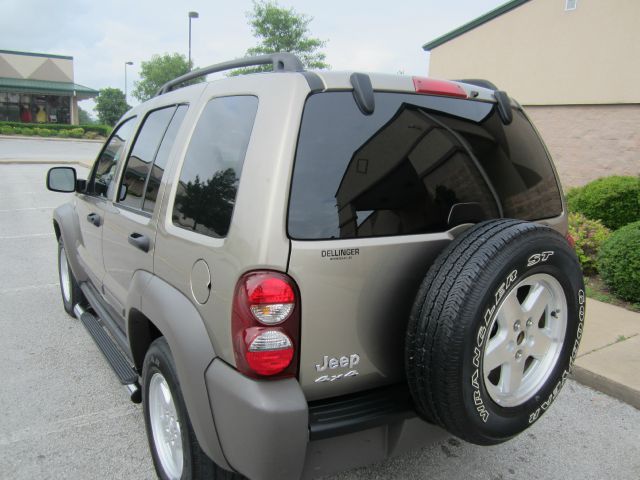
x=191 y=15
x=125 y=79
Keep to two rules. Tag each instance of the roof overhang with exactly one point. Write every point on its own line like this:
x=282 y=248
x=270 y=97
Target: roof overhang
x=496 y=12
x=45 y=87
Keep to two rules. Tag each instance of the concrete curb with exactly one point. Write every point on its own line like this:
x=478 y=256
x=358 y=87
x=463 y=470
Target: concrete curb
x=606 y=385
x=51 y=139
x=17 y=161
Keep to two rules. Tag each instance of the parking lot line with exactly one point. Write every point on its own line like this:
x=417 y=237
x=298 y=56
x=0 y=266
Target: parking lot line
x=27 y=209
x=29 y=287
x=28 y=235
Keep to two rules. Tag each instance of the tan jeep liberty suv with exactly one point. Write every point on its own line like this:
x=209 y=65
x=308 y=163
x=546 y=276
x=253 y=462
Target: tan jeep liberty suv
x=300 y=272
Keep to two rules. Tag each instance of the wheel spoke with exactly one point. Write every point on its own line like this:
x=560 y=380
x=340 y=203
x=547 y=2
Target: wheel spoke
x=496 y=352
x=537 y=301
x=166 y=395
x=509 y=312
x=511 y=377
x=541 y=343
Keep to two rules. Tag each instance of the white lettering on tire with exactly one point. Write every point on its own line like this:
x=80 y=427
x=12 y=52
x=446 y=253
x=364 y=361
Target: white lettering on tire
x=538 y=257
x=480 y=339
x=574 y=352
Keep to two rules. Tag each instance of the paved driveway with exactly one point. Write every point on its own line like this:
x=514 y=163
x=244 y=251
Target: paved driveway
x=51 y=150
x=65 y=415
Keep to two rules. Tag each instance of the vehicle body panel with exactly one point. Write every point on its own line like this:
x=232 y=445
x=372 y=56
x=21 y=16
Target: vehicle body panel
x=121 y=259
x=89 y=250
x=358 y=304
x=257 y=236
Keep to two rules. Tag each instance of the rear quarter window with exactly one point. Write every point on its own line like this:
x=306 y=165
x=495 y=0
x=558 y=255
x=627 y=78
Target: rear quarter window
x=210 y=175
x=408 y=166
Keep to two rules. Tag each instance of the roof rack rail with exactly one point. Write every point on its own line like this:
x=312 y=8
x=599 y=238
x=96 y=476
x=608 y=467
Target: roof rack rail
x=282 y=62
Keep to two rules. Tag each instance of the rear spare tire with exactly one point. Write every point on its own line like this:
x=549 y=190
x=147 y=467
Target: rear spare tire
x=494 y=330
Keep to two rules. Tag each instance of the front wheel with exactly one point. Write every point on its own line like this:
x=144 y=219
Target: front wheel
x=69 y=288
x=172 y=441
x=494 y=330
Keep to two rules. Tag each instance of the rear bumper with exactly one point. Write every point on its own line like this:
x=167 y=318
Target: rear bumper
x=268 y=431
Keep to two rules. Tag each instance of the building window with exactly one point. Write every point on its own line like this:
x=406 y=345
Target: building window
x=570 y=4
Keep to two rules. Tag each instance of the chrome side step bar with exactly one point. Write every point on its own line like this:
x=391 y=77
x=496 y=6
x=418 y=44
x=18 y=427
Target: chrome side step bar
x=116 y=359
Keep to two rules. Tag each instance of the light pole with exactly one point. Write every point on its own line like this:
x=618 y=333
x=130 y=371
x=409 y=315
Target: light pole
x=125 y=79
x=191 y=15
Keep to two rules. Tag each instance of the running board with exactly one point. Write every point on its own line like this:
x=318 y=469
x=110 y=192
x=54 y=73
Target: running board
x=119 y=363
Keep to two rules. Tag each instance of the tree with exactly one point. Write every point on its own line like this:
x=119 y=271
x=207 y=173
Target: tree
x=84 y=117
x=280 y=29
x=209 y=203
x=159 y=70
x=111 y=105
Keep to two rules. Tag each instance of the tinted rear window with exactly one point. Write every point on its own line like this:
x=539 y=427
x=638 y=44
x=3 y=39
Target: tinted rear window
x=414 y=166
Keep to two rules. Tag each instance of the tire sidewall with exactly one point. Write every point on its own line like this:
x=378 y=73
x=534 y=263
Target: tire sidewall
x=159 y=360
x=524 y=259
x=68 y=305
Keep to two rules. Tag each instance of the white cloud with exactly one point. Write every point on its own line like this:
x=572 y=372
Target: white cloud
x=361 y=35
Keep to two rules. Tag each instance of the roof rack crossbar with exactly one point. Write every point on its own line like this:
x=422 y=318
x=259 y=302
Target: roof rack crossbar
x=282 y=62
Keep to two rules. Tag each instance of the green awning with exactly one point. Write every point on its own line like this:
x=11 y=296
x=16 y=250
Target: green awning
x=46 y=87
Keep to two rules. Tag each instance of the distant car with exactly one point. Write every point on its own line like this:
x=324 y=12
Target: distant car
x=310 y=271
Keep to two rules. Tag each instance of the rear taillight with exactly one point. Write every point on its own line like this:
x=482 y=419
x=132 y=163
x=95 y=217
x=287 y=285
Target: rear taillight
x=266 y=325
x=431 y=86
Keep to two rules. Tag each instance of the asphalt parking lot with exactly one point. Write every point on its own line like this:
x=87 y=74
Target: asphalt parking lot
x=65 y=415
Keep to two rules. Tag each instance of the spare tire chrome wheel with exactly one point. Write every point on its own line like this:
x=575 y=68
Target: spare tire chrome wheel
x=165 y=426
x=494 y=330
x=525 y=340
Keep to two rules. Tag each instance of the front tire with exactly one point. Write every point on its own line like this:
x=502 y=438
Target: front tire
x=69 y=288
x=494 y=330
x=172 y=441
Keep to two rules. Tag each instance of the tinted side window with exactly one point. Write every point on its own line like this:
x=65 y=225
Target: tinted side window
x=101 y=181
x=160 y=163
x=142 y=155
x=211 y=171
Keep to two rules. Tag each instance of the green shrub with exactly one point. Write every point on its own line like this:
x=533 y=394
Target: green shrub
x=90 y=135
x=76 y=133
x=6 y=130
x=589 y=236
x=102 y=130
x=613 y=200
x=619 y=262
x=25 y=131
x=64 y=133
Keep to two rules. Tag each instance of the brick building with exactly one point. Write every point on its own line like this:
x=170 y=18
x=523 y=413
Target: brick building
x=573 y=64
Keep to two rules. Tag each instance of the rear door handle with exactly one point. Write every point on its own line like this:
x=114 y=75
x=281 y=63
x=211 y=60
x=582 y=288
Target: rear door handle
x=94 y=218
x=139 y=241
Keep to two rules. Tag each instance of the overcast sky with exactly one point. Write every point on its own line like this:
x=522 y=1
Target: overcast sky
x=367 y=35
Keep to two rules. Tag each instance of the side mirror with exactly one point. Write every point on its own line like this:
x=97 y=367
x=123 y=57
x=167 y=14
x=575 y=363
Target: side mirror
x=61 y=179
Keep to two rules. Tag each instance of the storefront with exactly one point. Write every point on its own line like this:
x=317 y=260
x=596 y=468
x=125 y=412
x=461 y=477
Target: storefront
x=39 y=88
